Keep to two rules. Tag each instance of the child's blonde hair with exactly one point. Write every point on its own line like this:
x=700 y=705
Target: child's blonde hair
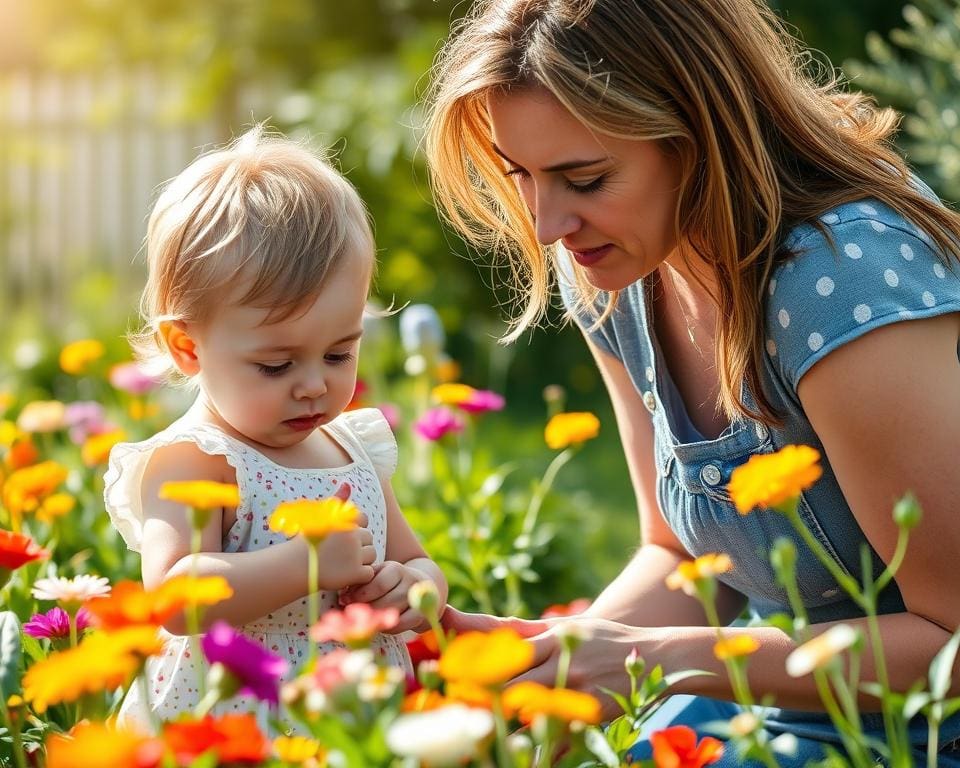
x=265 y=214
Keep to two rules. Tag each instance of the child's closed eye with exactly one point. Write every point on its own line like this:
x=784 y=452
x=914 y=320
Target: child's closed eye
x=273 y=370
x=343 y=357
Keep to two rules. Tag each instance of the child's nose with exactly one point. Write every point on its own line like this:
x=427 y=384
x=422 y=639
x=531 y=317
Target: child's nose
x=311 y=386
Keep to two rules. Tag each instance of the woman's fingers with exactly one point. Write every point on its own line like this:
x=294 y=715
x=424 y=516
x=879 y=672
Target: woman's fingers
x=482 y=622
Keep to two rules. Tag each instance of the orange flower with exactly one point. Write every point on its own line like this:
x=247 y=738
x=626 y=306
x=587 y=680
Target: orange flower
x=676 y=747
x=769 y=480
x=689 y=572
x=17 y=549
x=235 y=738
x=129 y=604
x=77 y=356
x=315 y=519
x=423 y=701
x=735 y=646
x=97 y=745
x=486 y=659
x=452 y=394
x=201 y=494
x=297 y=749
x=96 y=448
x=54 y=506
x=22 y=454
x=566 y=429
x=530 y=700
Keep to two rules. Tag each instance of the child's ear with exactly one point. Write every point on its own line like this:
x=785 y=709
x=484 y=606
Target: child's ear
x=182 y=348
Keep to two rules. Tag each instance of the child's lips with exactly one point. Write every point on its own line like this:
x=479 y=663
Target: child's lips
x=302 y=423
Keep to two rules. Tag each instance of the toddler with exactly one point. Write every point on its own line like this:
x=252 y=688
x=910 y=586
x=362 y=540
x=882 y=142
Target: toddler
x=260 y=258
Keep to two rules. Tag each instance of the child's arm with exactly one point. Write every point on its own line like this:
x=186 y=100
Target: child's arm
x=262 y=580
x=406 y=563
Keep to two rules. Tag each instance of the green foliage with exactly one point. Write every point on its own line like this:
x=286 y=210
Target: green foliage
x=918 y=72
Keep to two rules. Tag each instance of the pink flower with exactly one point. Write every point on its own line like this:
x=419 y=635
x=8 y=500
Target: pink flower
x=481 y=401
x=85 y=418
x=55 y=623
x=391 y=413
x=255 y=669
x=328 y=674
x=355 y=625
x=436 y=423
x=130 y=377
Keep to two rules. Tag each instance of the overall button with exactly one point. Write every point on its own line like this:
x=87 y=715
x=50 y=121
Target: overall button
x=762 y=431
x=710 y=474
x=650 y=400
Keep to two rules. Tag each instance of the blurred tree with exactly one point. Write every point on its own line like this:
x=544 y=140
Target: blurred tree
x=919 y=74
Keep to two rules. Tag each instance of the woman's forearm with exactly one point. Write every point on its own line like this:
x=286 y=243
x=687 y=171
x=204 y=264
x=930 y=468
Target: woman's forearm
x=639 y=596
x=909 y=644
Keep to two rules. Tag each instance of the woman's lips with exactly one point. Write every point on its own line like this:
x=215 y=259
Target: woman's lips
x=590 y=256
x=303 y=423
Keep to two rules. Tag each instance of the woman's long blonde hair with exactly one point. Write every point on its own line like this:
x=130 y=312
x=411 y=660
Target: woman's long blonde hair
x=762 y=145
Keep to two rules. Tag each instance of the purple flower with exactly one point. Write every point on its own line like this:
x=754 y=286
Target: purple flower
x=55 y=623
x=130 y=377
x=437 y=422
x=481 y=401
x=85 y=418
x=257 y=671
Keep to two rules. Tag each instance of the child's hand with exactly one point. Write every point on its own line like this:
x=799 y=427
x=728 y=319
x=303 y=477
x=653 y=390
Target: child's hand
x=388 y=589
x=346 y=559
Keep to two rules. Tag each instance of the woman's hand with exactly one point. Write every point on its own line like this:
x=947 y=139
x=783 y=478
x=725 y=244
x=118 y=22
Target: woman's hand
x=461 y=622
x=598 y=662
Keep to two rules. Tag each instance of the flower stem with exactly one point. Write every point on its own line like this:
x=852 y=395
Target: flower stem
x=14 y=730
x=543 y=488
x=313 y=596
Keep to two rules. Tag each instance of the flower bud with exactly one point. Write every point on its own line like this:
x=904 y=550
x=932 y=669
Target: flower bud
x=907 y=512
x=424 y=597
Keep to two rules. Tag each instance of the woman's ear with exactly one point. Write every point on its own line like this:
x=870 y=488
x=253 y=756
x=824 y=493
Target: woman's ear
x=182 y=348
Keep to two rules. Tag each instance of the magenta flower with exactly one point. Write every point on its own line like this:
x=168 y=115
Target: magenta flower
x=355 y=625
x=436 y=423
x=130 y=377
x=481 y=401
x=256 y=670
x=55 y=623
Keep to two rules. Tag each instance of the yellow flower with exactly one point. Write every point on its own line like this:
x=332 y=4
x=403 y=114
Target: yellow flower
x=530 y=700
x=139 y=410
x=314 y=518
x=570 y=429
x=296 y=749
x=6 y=400
x=26 y=488
x=735 y=646
x=768 y=480
x=486 y=659
x=201 y=494
x=9 y=433
x=76 y=357
x=196 y=590
x=42 y=416
x=448 y=370
x=689 y=572
x=54 y=506
x=452 y=394
x=97 y=745
x=96 y=448
x=818 y=652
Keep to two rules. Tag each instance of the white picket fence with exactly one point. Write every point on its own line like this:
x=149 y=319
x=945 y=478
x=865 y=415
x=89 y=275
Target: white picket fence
x=81 y=157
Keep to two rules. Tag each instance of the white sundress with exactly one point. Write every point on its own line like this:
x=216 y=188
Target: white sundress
x=173 y=677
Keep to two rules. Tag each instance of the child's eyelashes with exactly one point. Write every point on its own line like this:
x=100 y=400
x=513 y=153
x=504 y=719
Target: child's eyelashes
x=273 y=370
x=276 y=370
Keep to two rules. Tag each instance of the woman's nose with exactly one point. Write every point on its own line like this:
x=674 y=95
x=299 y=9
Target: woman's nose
x=553 y=222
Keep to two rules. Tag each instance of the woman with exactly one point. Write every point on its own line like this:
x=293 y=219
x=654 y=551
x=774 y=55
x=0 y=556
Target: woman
x=752 y=267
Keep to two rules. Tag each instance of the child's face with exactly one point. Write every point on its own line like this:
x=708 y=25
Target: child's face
x=274 y=384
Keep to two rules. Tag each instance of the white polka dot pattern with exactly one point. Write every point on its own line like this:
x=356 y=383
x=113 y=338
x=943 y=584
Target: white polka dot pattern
x=874 y=269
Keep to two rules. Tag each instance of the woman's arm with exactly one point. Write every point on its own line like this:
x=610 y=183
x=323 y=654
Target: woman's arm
x=638 y=596
x=262 y=580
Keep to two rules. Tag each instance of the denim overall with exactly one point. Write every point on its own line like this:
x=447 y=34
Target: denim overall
x=693 y=472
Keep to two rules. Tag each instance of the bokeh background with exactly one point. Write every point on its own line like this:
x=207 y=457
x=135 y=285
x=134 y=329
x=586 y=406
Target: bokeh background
x=103 y=100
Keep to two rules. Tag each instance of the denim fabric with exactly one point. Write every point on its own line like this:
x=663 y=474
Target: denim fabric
x=864 y=266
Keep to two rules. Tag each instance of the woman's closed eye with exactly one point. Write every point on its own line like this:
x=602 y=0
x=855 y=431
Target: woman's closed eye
x=578 y=187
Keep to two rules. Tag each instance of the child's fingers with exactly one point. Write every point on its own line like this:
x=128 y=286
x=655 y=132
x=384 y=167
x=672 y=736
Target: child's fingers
x=343 y=492
x=383 y=582
x=365 y=537
x=409 y=619
x=368 y=554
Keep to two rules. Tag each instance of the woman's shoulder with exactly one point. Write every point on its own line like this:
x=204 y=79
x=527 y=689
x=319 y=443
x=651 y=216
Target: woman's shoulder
x=861 y=265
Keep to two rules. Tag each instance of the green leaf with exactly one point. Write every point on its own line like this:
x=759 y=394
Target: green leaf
x=941 y=668
x=675 y=677
x=600 y=747
x=872 y=689
x=621 y=735
x=9 y=654
x=619 y=698
x=33 y=648
x=914 y=703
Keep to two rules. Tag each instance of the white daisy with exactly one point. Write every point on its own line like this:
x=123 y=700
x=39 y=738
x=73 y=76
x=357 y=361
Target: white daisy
x=77 y=590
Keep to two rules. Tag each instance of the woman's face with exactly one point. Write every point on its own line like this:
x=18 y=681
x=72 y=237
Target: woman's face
x=610 y=202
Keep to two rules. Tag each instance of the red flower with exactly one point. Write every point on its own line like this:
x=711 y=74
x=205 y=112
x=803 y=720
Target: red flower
x=676 y=747
x=423 y=647
x=570 y=609
x=17 y=549
x=234 y=737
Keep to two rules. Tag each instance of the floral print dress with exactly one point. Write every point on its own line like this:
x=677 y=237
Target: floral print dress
x=173 y=678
